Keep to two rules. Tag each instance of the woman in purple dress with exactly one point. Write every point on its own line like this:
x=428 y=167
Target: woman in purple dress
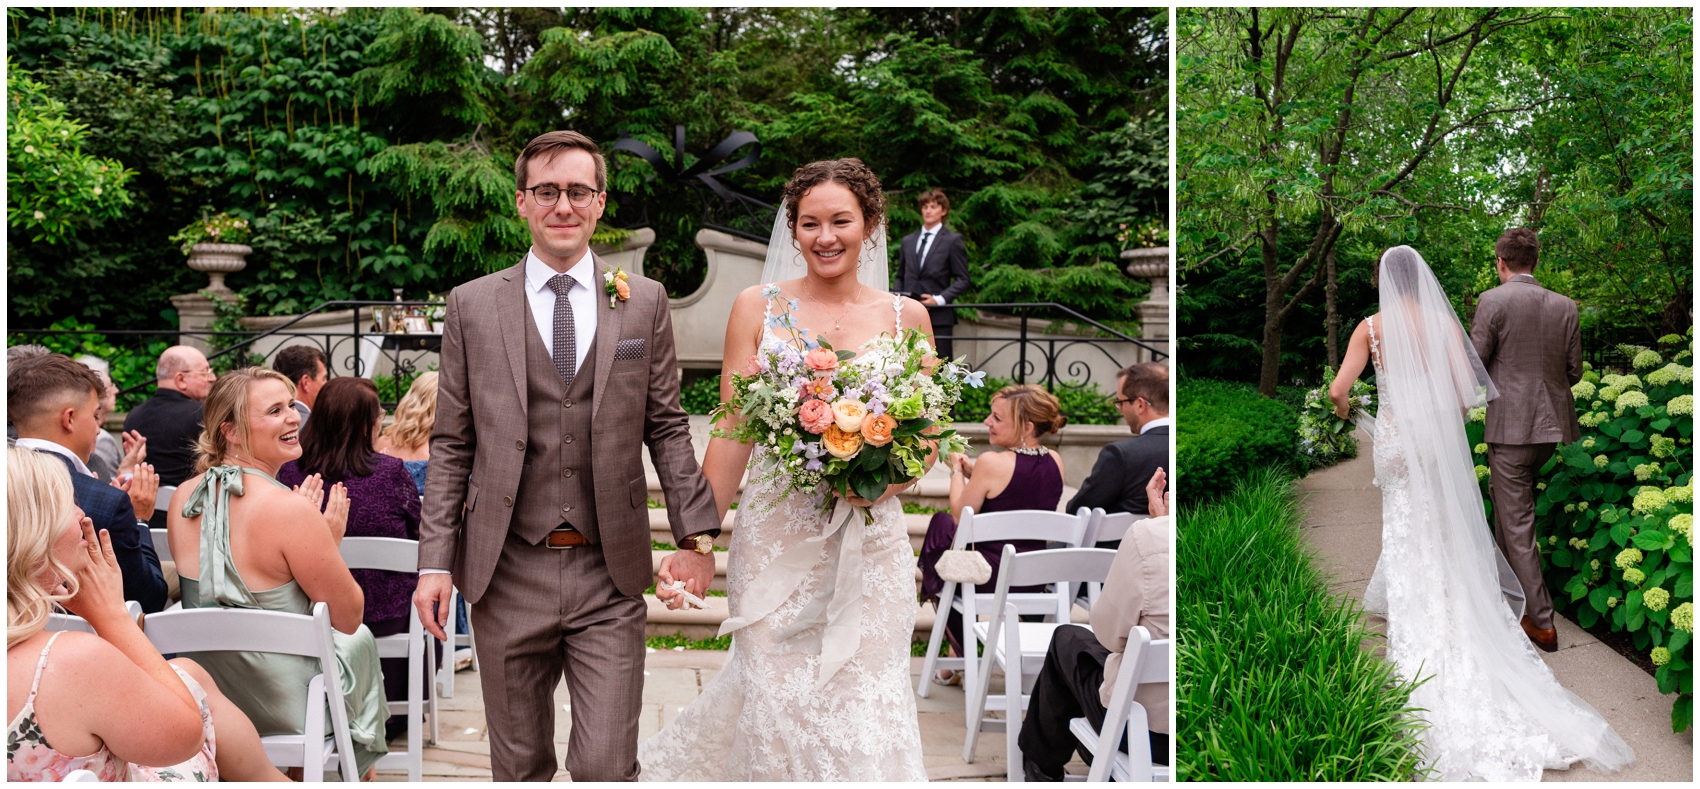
x=337 y=445
x=1028 y=477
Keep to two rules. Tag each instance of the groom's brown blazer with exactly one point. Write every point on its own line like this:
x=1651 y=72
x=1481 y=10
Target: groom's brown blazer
x=478 y=446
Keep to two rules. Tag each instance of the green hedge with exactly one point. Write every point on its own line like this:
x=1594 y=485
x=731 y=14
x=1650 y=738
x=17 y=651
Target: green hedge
x=1273 y=678
x=1226 y=431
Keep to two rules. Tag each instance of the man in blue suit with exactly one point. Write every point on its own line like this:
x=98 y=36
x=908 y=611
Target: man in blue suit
x=55 y=403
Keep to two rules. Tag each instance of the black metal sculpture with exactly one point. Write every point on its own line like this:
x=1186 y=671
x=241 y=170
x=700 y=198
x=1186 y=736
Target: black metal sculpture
x=727 y=205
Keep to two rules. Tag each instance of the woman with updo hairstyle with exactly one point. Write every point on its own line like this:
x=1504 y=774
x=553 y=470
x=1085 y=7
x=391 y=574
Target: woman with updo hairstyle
x=268 y=547
x=105 y=702
x=817 y=685
x=1027 y=477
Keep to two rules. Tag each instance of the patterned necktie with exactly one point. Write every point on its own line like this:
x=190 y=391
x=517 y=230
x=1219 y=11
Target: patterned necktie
x=566 y=340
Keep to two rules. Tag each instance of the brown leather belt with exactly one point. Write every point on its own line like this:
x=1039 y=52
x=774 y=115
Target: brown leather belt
x=564 y=538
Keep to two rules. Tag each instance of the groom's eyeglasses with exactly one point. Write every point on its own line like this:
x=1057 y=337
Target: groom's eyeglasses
x=550 y=194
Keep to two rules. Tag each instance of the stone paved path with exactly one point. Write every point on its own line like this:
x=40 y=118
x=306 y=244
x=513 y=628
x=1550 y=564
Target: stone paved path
x=1343 y=525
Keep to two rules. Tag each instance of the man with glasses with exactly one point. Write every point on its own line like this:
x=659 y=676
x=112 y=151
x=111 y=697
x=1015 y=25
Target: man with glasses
x=170 y=421
x=1118 y=479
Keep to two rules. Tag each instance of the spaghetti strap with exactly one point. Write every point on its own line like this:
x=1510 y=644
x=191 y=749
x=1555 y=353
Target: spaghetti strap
x=897 y=305
x=1374 y=344
x=41 y=664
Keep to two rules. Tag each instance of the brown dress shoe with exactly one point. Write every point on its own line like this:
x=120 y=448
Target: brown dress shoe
x=1545 y=639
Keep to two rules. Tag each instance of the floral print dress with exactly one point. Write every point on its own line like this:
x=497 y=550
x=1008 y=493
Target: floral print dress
x=30 y=758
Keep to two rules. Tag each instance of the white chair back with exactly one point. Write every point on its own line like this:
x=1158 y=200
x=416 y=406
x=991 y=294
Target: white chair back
x=162 y=500
x=1018 y=647
x=246 y=630
x=1110 y=526
x=58 y=621
x=1144 y=662
x=162 y=544
x=400 y=556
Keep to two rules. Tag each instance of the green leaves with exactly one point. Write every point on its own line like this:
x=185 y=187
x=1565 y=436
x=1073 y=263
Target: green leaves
x=53 y=189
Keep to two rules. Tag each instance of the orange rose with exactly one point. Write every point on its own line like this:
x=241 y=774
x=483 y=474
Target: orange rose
x=840 y=444
x=877 y=429
x=622 y=288
x=815 y=415
x=821 y=360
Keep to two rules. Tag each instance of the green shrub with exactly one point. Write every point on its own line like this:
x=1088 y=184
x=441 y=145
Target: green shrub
x=1614 y=515
x=130 y=366
x=700 y=396
x=1225 y=432
x=1083 y=404
x=1273 y=680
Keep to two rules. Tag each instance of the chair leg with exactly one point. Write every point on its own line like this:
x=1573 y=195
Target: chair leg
x=416 y=678
x=431 y=700
x=313 y=737
x=936 y=640
x=1012 y=681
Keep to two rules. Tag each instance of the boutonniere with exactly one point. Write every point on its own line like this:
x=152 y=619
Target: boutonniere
x=614 y=283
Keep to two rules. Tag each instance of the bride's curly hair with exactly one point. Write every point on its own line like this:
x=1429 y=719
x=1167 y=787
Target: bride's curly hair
x=849 y=173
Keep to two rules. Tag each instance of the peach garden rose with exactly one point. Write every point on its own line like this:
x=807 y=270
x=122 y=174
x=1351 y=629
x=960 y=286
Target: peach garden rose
x=876 y=429
x=841 y=444
x=849 y=415
x=821 y=360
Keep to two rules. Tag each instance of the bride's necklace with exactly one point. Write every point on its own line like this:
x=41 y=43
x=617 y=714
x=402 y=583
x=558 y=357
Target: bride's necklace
x=838 y=320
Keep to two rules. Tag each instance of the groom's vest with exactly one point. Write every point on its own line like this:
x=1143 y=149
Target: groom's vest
x=557 y=485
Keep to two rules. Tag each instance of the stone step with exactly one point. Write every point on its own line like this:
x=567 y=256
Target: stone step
x=662 y=531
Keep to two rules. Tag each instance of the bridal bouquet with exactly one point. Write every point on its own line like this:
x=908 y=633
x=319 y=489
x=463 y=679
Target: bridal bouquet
x=832 y=422
x=1325 y=439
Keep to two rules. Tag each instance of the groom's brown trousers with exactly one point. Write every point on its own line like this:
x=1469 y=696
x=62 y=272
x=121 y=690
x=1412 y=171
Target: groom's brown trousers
x=1512 y=469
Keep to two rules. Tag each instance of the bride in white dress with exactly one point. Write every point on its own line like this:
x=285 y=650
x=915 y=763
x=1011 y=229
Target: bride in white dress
x=1493 y=709
x=817 y=684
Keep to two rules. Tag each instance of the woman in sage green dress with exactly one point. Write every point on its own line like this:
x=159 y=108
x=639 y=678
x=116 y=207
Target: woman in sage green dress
x=257 y=544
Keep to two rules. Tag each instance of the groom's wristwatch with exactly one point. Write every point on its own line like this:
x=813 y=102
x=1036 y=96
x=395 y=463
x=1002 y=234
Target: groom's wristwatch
x=701 y=543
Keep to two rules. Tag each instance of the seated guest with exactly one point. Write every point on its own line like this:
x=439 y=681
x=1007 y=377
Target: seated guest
x=171 y=419
x=1080 y=668
x=1029 y=477
x=55 y=404
x=1117 y=482
x=110 y=704
x=16 y=354
x=108 y=452
x=382 y=502
x=308 y=368
x=119 y=464
x=274 y=551
x=409 y=436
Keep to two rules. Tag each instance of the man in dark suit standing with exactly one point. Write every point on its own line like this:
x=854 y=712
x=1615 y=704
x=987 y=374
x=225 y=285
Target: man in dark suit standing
x=1118 y=479
x=933 y=267
x=55 y=405
x=1530 y=341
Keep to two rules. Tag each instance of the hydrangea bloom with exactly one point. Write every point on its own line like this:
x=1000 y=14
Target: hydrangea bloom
x=1628 y=382
x=1634 y=576
x=1630 y=400
x=1582 y=505
x=1594 y=563
x=1553 y=540
x=1682 y=495
x=1650 y=499
x=1481 y=473
x=1645 y=471
x=1660 y=377
x=1647 y=358
x=1583 y=390
x=1611 y=602
x=1627 y=558
x=1682 y=617
x=1683 y=523
x=1681 y=405
x=1591 y=419
x=1569 y=508
x=1659 y=656
x=1601 y=461
x=1478 y=415
x=1656 y=598
x=1608 y=393
x=1588 y=443
x=1480 y=449
x=1670 y=339
x=1663 y=447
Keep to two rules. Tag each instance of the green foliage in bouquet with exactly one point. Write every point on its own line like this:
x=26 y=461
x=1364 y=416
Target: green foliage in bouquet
x=1614 y=512
x=1225 y=432
x=1325 y=439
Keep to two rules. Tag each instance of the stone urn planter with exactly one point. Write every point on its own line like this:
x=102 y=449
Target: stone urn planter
x=218 y=260
x=1151 y=263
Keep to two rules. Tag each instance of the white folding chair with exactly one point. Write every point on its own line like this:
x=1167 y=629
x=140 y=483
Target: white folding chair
x=58 y=621
x=446 y=672
x=1144 y=662
x=401 y=556
x=1106 y=527
x=1010 y=525
x=1018 y=647
x=246 y=630
x=162 y=544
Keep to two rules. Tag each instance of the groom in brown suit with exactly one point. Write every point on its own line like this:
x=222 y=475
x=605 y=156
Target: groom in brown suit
x=1530 y=342
x=536 y=503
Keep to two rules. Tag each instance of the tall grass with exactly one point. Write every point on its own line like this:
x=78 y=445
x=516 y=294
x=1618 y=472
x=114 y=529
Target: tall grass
x=1274 y=680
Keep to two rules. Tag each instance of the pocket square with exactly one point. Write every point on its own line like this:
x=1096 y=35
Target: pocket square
x=630 y=349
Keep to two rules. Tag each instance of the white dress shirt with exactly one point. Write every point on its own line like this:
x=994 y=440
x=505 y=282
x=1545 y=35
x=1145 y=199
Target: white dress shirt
x=583 y=297
x=43 y=445
x=929 y=237
x=1161 y=421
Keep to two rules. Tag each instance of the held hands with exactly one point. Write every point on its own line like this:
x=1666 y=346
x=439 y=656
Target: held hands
x=694 y=570
x=890 y=490
x=963 y=463
x=143 y=487
x=100 y=584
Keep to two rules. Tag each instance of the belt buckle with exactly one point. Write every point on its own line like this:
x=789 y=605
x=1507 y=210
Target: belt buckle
x=549 y=540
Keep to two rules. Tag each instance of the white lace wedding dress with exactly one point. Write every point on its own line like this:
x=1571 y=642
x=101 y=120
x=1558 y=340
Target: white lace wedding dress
x=1493 y=709
x=806 y=609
